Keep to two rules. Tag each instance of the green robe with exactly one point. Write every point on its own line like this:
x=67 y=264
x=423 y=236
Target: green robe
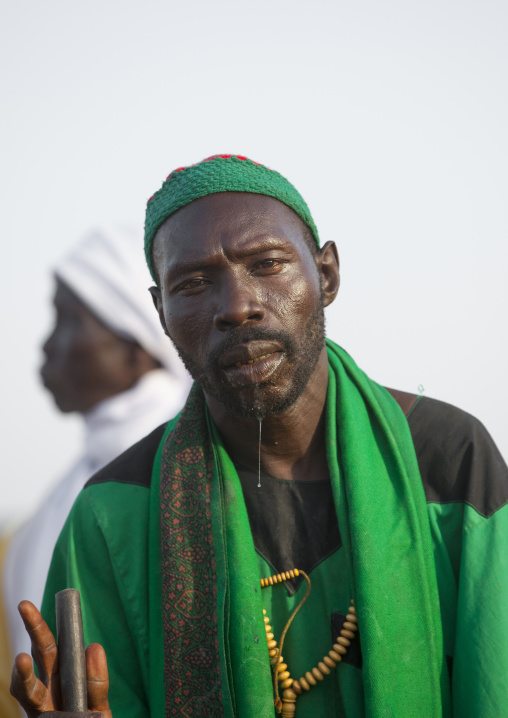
x=108 y=552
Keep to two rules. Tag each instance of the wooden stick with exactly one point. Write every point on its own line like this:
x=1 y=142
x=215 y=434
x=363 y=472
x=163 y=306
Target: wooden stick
x=71 y=650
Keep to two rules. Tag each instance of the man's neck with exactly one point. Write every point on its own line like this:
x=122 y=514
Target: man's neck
x=292 y=443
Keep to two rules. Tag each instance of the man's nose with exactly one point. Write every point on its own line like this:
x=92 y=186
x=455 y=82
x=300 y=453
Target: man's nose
x=238 y=304
x=50 y=345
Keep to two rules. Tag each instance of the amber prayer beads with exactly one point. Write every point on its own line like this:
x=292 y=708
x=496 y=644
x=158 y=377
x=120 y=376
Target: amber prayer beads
x=291 y=688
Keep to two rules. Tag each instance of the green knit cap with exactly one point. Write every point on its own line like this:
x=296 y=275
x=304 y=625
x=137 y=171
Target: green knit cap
x=219 y=173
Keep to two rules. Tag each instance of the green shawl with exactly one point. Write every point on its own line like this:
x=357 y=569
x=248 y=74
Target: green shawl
x=211 y=656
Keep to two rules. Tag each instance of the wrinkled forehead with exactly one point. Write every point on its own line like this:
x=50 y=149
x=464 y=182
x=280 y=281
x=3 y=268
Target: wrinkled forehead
x=227 y=218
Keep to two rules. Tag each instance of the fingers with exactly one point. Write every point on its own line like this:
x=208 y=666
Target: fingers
x=97 y=679
x=31 y=693
x=44 y=648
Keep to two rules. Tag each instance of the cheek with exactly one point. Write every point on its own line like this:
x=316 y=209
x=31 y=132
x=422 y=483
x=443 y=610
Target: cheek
x=100 y=366
x=81 y=362
x=72 y=354
x=89 y=354
x=295 y=300
x=189 y=327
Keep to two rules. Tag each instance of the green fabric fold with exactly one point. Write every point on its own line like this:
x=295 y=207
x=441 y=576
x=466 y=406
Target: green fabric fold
x=215 y=656
x=384 y=526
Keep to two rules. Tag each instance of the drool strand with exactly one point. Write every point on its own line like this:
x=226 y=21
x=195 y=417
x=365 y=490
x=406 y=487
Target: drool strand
x=259 y=455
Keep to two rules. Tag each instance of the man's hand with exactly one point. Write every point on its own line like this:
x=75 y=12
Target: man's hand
x=37 y=695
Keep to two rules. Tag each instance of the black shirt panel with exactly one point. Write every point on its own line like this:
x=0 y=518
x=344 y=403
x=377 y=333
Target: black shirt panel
x=458 y=459
x=135 y=465
x=293 y=523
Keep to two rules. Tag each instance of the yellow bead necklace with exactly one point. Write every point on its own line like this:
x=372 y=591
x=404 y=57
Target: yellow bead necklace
x=291 y=689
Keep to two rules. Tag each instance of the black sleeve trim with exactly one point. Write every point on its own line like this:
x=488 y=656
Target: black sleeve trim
x=458 y=459
x=134 y=466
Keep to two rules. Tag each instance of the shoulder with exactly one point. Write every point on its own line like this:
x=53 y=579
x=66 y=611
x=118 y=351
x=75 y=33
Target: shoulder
x=111 y=515
x=134 y=466
x=458 y=459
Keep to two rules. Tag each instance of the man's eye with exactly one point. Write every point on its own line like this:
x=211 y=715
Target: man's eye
x=269 y=263
x=192 y=284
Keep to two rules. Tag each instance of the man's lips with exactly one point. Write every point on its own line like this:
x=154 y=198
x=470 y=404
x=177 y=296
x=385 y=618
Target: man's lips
x=248 y=353
x=251 y=363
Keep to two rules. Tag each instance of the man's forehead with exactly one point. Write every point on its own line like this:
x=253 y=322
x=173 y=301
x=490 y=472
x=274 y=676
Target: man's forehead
x=231 y=215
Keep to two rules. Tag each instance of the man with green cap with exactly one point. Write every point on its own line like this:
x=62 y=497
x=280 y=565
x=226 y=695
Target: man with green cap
x=288 y=470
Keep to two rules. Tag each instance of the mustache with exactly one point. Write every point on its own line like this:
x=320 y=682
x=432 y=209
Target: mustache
x=242 y=336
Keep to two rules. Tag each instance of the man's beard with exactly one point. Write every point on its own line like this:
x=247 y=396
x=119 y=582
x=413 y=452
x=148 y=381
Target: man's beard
x=258 y=401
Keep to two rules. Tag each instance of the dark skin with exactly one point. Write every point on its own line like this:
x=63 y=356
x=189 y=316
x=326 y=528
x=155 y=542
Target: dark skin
x=39 y=695
x=228 y=263
x=85 y=362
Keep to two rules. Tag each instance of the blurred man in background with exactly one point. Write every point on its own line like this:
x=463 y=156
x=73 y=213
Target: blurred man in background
x=107 y=358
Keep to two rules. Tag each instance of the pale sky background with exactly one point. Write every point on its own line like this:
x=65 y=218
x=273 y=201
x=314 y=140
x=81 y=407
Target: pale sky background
x=390 y=117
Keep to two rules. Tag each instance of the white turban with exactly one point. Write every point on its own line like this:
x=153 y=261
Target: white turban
x=107 y=272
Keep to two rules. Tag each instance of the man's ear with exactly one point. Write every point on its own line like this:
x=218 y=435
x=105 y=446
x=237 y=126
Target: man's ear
x=157 y=302
x=327 y=262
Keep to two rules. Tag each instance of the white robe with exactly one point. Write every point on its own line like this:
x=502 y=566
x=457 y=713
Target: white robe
x=111 y=427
